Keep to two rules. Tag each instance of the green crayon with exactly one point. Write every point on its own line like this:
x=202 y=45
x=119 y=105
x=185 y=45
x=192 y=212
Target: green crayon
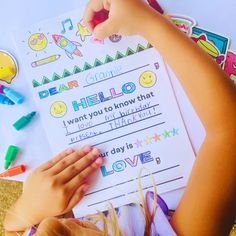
x=10 y=156
x=23 y=121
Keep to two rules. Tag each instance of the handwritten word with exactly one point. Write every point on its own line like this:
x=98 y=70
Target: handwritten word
x=121 y=165
x=99 y=76
x=85 y=135
x=133 y=118
x=98 y=98
x=135 y=109
x=85 y=125
x=56 y=90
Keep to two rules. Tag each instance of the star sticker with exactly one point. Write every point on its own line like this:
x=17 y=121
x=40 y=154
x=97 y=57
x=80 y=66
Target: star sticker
x=175 y=132
x=147 y=140
x=82 y=32
x=138 y=143
x=167 y=134
x=156 y=137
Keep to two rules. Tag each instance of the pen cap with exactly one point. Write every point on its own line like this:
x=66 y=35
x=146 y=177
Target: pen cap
x=23 y=121
x=11 y=155
x=13 y=95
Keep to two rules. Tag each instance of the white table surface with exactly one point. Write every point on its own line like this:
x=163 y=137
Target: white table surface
x=218 y=16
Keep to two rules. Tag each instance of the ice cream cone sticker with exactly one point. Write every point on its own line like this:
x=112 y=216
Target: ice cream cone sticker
x=70 y=47
x=8 y=67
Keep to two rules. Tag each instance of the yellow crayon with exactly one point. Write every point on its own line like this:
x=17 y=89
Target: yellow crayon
x=45 y=61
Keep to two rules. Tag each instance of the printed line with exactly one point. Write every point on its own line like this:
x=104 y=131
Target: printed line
x=113 y=120
x=131 y=180
x=123 y=195
x=117 y=75
x=116 y=137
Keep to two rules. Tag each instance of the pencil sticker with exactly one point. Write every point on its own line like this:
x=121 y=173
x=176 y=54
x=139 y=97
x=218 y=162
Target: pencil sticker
x=45 y=61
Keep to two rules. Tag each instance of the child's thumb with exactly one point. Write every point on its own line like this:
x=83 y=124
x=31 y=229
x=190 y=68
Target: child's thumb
x=104 y=30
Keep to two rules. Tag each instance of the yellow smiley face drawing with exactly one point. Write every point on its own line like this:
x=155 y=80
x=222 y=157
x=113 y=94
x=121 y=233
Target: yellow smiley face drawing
x=58 y=109
x=147 y=79
x=38 y=42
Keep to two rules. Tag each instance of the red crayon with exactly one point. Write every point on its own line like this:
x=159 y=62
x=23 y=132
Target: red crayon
x=100 y=17
x=17 y=170
x=154 y=4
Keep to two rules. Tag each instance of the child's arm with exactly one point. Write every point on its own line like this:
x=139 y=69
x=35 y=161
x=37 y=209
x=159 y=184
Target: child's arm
x=208 y=206
x=54 y=188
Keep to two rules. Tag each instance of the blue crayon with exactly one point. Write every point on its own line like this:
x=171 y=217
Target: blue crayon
x=5 y=100
x=13 y=95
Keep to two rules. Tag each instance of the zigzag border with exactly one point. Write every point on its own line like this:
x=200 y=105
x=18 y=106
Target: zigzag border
x=76 y=70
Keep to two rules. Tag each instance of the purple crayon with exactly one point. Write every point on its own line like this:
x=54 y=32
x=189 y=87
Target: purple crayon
x=70 y=47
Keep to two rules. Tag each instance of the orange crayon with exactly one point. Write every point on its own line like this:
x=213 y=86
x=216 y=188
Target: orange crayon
x=17 y=170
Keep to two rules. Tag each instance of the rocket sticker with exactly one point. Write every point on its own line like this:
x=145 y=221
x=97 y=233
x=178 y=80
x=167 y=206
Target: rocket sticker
x=70 y=47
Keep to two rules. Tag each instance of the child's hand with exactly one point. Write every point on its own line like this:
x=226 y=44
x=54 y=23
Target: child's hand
x=124 y=18
x=55 y=187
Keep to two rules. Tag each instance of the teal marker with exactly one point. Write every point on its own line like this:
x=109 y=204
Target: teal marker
x=10 y=156
x=13 y=95
x=23 y=121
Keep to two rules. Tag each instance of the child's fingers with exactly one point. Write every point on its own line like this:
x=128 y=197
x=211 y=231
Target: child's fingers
x=82 y=177
x=70 y=160
x=104 y=30
x=92 y=7
x=71 y=171
x=77 y=196
x=47 y=165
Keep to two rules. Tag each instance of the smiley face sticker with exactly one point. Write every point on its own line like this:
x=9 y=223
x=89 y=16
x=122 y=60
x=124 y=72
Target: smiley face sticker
x=58 y=109
x=147 y=79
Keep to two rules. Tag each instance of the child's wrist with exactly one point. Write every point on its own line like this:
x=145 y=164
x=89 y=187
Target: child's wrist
x=145 y=28
x=20 y=217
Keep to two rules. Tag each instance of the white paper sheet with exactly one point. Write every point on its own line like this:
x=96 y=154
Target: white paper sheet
x=114 y=95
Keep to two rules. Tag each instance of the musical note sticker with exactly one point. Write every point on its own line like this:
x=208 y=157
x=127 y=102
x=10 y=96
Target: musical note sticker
x=69 y=22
